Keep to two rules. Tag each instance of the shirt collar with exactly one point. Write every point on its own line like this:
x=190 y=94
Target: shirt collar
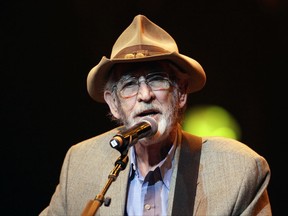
x=165 y=165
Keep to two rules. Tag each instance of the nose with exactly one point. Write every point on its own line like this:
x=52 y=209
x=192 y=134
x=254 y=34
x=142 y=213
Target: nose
x=145 y=92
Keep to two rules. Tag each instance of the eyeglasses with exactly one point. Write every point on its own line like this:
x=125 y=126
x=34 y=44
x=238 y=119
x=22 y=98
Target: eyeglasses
x=129 y=86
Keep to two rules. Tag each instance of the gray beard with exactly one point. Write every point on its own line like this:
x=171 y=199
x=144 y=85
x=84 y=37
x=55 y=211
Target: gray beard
x=168 y=121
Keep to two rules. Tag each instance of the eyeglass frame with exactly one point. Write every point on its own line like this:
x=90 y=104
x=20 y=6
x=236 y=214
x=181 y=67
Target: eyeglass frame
x=146 y=81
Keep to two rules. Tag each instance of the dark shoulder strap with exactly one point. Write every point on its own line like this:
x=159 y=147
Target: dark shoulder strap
x=186 y=182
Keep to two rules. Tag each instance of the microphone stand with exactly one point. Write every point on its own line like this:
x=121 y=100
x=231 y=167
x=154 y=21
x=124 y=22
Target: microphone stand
x=93 y=205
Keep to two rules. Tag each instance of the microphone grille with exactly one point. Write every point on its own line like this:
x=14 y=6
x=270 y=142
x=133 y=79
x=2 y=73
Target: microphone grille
x=152 y=122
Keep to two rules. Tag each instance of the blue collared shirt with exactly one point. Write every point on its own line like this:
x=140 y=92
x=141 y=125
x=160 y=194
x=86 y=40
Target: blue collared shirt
x=149 y=195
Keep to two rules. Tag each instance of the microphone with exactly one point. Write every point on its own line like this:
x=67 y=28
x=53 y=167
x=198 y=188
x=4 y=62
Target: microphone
x=145 y=128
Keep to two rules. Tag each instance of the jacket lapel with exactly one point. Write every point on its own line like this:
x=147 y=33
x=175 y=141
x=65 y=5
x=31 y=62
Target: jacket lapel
x=183 y=188
x=117 y=193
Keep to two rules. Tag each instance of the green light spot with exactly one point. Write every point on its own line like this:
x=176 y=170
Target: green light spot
x=204 y=120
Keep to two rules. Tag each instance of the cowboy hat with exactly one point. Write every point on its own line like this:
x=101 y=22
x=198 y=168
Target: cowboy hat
x=144 y=41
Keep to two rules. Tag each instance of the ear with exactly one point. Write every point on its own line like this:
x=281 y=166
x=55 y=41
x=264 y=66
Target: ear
x=112 y=103
x=182 y=99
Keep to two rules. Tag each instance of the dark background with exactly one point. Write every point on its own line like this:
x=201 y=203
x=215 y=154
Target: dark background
x=48 y=48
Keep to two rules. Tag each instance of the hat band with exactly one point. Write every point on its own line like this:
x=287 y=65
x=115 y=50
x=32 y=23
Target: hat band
x=139 y=51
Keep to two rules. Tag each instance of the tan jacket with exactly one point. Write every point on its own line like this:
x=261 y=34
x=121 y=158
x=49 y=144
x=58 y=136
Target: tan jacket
x=213 y=176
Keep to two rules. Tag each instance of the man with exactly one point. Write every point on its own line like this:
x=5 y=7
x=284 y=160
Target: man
x=170 y=172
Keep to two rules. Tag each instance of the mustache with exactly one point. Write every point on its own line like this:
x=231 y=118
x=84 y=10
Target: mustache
x=146 y=109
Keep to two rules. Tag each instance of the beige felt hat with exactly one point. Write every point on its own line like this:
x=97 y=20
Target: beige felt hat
x=144 y=41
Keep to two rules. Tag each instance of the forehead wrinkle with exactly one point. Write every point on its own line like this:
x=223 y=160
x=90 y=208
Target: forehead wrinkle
x=137 y=70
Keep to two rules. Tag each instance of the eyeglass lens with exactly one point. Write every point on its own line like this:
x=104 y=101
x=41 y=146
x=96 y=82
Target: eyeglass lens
x=129 y=87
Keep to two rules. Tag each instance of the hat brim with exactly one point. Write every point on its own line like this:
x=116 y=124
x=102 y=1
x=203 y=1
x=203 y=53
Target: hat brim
x=190 y=69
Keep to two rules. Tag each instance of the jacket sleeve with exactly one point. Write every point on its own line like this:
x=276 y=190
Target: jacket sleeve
x=233 y=180
x=256 y=185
